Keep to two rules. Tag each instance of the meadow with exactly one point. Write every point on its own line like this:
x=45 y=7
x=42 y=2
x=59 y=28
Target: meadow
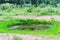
x=29 y=26
x=52 y=30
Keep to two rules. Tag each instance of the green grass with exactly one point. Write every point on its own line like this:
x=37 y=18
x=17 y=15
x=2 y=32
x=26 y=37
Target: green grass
x=54 y=30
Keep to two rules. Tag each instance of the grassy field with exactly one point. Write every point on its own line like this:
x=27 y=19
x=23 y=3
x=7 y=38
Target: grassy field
x=53 y=30
x=7 y=10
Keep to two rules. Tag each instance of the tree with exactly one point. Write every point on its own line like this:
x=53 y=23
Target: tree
x=34 y=2
x=20 y=2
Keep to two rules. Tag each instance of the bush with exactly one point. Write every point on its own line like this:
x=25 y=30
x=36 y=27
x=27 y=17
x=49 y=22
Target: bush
x=7 y=6
x=42 y=5
x=29 y=10
x=49 y=10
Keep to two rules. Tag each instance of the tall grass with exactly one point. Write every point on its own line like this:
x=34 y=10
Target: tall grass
x=11 y=9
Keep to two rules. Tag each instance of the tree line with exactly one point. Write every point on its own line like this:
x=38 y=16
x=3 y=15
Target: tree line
x=32 y=2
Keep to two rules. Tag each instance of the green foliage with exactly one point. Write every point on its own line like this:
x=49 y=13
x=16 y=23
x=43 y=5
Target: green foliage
x=11 y=9
x=7 y=6
x=34 y=3
x=42 y=5
x=29 y=10
x=53 y=30
x=30 y=24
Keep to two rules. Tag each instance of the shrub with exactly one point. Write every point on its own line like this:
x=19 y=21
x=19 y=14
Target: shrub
x=42 y=5
x=7 y=6
x=49 y=10
x=29 y=10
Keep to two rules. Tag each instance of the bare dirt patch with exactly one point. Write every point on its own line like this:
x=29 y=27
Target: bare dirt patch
x=28 y=37
x=57 y=18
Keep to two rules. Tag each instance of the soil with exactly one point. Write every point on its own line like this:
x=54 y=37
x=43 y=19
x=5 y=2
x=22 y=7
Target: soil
x=28 y=37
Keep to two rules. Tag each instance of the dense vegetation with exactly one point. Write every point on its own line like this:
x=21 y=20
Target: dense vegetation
x=34 y=7
x=11 y=9
x=31 y=7
x=32 y=2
